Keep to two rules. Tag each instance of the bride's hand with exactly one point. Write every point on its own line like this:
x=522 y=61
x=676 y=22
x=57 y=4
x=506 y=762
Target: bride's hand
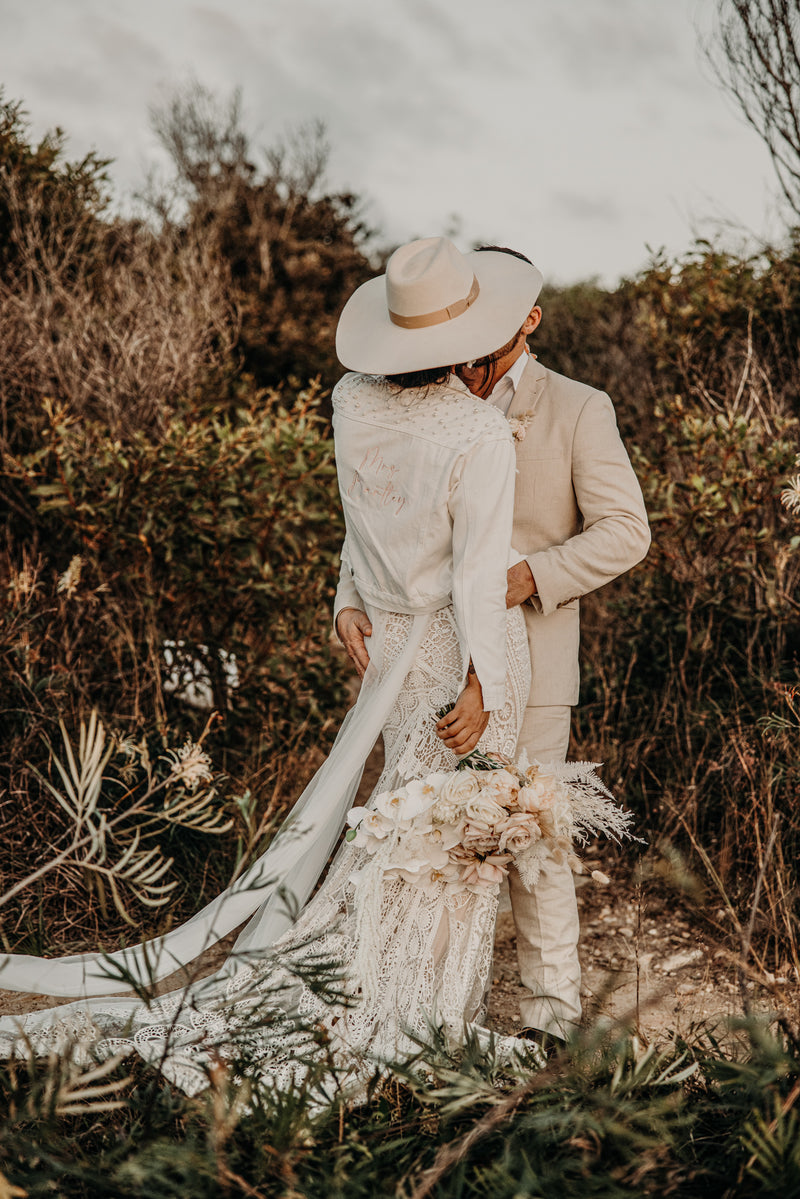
x=352 y=628
x=462 y=728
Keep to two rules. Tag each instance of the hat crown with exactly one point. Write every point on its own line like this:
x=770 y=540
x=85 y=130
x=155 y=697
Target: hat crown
x=435 y=306
x=427 y=276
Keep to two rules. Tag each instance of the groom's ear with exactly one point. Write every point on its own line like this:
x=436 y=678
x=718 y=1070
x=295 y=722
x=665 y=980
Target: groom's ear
x=532 y=320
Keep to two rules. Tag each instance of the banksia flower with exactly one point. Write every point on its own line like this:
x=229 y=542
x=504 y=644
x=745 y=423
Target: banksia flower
x=790 y=496
x=190 y=765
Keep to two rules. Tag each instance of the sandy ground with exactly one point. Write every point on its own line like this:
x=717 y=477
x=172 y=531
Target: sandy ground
x=648 y=961
x=646 y=964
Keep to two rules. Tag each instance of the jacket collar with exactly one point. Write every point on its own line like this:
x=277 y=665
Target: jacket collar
x=530 y=388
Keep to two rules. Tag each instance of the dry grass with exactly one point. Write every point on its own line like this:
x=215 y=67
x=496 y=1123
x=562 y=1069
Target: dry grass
x=114 y=322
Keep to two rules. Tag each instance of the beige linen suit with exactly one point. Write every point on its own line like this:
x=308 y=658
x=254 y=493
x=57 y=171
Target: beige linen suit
x=579 y=521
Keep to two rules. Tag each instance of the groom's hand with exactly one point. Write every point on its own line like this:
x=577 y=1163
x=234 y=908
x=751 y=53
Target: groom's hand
x=463 y=726
x=352 y=626
x=520 y=584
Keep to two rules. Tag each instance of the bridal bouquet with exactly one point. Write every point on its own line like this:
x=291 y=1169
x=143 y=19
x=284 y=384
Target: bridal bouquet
x=465 y=829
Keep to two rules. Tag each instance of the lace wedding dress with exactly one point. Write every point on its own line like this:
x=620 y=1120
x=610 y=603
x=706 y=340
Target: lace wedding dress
x=426 y=959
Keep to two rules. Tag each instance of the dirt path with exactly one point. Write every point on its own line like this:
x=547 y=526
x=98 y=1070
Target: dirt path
x=644 y=962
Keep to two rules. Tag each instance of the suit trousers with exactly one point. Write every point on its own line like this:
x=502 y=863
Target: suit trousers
x=546 y=917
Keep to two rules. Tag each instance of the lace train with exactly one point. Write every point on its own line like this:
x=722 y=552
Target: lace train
x=435 y=949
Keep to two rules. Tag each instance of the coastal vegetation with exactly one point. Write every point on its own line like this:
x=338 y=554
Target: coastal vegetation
x=170 y=530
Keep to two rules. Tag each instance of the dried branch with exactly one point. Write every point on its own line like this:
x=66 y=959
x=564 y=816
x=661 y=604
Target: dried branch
x=757 y=62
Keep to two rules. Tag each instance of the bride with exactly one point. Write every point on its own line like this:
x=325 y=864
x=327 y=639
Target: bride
x=426 y=478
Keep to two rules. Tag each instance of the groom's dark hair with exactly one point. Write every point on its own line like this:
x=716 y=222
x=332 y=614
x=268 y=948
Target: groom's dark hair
x=505 y=250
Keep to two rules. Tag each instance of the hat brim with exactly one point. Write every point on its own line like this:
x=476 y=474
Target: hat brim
x=368 y=341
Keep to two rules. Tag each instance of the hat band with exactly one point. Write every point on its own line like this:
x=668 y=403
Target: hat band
x=440 y=316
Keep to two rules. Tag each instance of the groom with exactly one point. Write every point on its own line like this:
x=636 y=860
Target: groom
x=579 y=522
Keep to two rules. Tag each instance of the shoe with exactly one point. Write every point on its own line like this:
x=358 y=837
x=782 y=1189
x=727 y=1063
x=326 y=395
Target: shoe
x=548 y=1043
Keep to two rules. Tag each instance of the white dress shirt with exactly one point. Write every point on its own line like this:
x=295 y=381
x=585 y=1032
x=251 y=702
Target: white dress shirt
x=501 y=397
x=505 y=388
x=427 y=486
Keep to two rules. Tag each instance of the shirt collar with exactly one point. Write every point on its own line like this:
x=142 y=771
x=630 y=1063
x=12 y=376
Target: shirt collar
x=504 y=390
x=514 y=372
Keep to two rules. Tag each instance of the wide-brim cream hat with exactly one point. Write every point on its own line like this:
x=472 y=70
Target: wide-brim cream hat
x=435 y=307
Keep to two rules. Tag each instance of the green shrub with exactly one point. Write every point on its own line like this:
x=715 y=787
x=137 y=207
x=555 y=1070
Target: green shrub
x=685 y=657
x=222 y=533
x=609 y=1119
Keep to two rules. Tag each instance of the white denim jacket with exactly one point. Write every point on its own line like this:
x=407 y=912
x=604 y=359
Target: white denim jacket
x=427 y=486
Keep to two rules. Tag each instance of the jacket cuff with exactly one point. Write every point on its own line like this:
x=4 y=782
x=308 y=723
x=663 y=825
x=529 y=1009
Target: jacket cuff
x=494 y=698
x=546 y=599
x=346 y=596
x=357 y=607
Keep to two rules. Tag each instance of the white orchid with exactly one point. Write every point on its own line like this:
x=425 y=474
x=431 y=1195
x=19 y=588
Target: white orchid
x=446 y=835
x=406 y=803
x=431 y=881
x=417 y=855
x=370 y=827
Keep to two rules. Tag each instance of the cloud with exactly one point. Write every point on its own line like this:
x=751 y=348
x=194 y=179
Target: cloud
x=220 y=24
x=474 y=40
x=544 y=124
x=576 y=206
x=617 y=45
x=77 y=89
x=391 y=86
x=124 y=52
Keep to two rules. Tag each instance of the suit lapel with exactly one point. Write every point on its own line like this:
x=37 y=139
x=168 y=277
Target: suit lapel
x=531 y=386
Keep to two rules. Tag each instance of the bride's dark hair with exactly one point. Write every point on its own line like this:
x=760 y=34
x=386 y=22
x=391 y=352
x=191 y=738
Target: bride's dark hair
x=423 y=378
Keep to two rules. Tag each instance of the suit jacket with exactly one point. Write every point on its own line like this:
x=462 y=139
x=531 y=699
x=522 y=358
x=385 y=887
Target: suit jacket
x=579 y=517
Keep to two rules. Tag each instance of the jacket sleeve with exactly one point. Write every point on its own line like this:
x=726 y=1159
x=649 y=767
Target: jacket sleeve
x=482 y=509
x=346 y=592
x=615 y=534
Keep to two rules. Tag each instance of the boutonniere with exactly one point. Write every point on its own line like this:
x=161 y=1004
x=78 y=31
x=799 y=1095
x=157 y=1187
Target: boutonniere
x=519 y=424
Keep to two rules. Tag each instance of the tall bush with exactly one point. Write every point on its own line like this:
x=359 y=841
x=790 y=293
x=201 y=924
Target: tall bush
x=294 y=247
x=161 y=517
x=220 y=534
x=685 y=657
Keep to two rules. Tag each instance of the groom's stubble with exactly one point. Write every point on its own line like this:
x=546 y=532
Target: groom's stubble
x=482 y=375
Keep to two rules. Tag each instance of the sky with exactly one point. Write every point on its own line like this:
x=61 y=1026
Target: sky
x=585 y=133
